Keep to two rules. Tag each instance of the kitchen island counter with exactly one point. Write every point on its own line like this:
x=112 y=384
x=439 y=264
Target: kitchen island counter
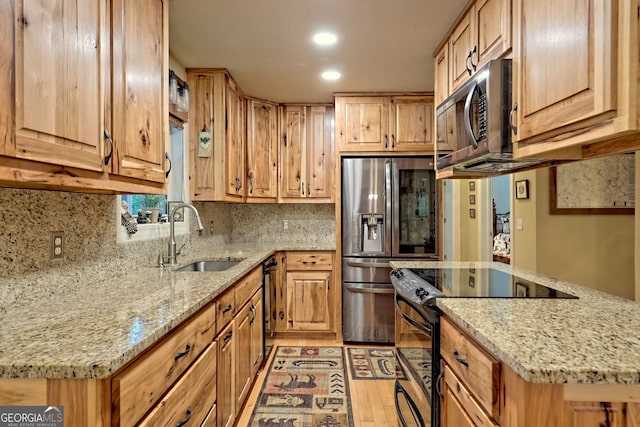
x=90 y=326
x=594 y=339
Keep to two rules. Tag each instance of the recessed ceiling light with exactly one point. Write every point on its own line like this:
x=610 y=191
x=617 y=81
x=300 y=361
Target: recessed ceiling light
x=324 y=38
x=331 y=75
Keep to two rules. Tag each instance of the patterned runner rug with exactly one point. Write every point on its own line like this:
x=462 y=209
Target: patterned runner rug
x=304 y=387
x=374 y=363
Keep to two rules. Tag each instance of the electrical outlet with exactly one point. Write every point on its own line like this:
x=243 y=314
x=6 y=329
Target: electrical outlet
x=211 y=226
x=57 y=246
x=519 y=224
x=285 y=224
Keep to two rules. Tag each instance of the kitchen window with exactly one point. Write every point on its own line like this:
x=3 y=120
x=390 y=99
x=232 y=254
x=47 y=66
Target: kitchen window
x=177 y=190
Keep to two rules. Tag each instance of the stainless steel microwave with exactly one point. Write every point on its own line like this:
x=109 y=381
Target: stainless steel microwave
x=476 y=119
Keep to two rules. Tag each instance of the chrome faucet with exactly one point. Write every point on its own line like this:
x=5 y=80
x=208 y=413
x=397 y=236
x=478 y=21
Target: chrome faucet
x=173 y=253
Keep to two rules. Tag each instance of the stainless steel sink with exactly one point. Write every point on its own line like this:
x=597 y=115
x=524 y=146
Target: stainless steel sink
x=207 y=266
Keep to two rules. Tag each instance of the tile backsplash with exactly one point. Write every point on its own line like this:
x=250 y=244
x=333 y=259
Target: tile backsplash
x=89 y=223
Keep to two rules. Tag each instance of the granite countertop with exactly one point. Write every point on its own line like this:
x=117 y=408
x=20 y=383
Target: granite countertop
x=89 y=328
x=593 y=339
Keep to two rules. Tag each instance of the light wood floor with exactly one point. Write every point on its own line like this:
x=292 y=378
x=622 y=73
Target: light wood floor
x=371 y=400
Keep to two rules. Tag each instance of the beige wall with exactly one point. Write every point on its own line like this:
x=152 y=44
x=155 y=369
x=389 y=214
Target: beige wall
x=591 y=250
x=469 y=230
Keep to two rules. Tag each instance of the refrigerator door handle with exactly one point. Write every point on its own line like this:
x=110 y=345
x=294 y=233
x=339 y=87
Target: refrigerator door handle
x=368 y=264
x=358 y=290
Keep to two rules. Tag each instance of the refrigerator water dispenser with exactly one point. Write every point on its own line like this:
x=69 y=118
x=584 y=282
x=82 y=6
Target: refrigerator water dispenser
x=372 y=234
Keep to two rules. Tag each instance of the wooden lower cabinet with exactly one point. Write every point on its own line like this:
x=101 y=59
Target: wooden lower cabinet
x=468 y=397
x=193 y=396
x=226 y=386
x=243 y=363
x=257 y=333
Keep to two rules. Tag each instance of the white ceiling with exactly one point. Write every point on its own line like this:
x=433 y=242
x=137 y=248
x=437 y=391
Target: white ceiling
x=383 y=45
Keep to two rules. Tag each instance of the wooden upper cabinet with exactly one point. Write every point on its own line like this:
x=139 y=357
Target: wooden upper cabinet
x=306 y=150
x=461 y=46
x=236 y=141
x=582 y=90
x=412 y=123
x=70 y=79
x=362 y=123
x=483 y=33
x=140 y=120
x=262 y=150
x=384 y=123
x=58 y=98
x=216 y=140
x=441 y=85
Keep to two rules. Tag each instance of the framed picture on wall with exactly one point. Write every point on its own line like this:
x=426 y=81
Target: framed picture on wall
x=472 y=186
x=522 y=189
x=472 y=213
x=472 y=199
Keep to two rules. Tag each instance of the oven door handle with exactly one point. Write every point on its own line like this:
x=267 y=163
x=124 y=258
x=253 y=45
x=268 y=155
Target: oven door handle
x=426 y=328
x=369 y=290
x=417 y=418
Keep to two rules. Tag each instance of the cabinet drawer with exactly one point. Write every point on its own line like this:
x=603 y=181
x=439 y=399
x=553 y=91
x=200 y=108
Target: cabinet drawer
x=309 y=260
x=226 y=306
x=464 y=397
x=192 y=397
x=477 y=369
x=138 y=387
x=210 y=420
x=248 y=286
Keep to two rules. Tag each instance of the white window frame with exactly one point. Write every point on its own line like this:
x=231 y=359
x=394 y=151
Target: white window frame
x=159 y=230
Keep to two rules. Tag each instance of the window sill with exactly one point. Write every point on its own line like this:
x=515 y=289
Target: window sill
x=152 y=232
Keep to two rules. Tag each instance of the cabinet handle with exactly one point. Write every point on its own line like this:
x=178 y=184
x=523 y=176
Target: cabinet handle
x=166 y=156
x=309 y=262
x=282 y=315
x=182 y=354
x=303 y=188
x=393 y=140
x=513 y=127
x=274 y=315
x=228 y=336
x=308 y=189
x=474 y=66
x=464 y=362
x=252 y=309
x=250 y=185
x=186 y=420
x=227 y=309
x=107 y=136
x=439 y=384
x=386 y=141
x=466 y=63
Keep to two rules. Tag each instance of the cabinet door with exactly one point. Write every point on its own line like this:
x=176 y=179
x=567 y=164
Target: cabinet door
x=59 y=49
x=319 y=153
x=560 y=83
x=257 y=333
x=594 y=414
x=234 y=175
x=362 y=123
x=226 y=374
x=412 y=123
x=441 y=75
x=262 y=150
x=140 y=106
x=461 y=45
x=493 y=30
x=243 y=361
x=292 y=148
x=308 y=300
x=201 y=116
x=452 y=412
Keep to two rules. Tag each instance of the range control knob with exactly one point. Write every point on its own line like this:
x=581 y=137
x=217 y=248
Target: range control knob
x=397 y=273
x=421 y=293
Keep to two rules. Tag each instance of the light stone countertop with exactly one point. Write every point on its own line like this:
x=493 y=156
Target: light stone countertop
x=88 y=327
x=593 y=339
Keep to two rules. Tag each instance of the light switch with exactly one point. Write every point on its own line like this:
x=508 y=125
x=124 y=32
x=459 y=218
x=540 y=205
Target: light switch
x=519 y=224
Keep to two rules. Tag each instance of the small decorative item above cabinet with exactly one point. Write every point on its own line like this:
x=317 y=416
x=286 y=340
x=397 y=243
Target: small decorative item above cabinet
x=306 y=154
x=381 y=123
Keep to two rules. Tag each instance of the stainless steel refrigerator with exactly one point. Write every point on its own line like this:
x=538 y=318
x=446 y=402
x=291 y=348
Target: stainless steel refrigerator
x=388 y=212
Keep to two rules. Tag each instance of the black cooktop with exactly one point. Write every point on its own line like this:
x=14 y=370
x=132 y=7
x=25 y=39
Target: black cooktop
x=432 y=283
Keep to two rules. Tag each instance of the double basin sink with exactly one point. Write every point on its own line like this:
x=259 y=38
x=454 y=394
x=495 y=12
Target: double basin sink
x=209 y=266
